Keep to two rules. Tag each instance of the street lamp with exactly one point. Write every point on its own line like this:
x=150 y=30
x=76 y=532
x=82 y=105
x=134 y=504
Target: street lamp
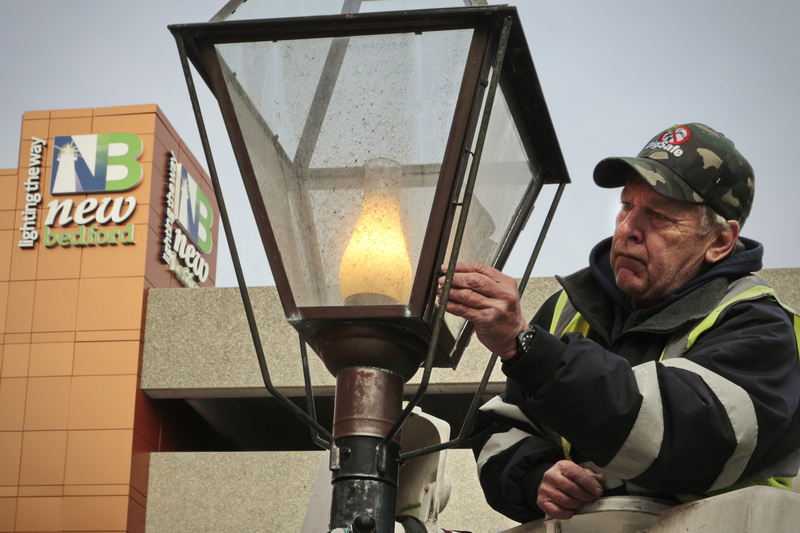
x=375 y=147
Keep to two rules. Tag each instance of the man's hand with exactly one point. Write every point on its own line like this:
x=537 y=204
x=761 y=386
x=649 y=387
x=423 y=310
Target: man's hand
x=490 y=300
x=566 y=487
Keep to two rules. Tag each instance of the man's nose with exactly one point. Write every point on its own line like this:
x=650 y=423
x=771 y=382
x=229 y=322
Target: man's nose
x=630 y=224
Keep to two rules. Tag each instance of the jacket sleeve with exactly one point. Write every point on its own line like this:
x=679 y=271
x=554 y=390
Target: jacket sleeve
x=724 y=412
x=511 y=451
x=512 y=456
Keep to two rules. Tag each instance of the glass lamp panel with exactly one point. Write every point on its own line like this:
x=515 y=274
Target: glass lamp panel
x=336 y=129
x=504 y=176
x=282 y=9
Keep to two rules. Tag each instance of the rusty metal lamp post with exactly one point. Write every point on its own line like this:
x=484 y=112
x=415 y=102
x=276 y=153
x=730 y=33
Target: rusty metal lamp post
x=375 y=147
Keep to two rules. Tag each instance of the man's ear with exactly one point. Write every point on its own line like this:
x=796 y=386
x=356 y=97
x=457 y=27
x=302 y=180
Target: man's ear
x=723 y=243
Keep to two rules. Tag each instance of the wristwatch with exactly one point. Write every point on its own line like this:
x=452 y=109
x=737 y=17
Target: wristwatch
x=525 y=341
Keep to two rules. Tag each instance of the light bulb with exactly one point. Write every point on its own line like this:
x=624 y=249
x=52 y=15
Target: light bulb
x=376 y=268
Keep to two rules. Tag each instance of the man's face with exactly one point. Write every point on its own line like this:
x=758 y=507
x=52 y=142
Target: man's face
x=656 y=246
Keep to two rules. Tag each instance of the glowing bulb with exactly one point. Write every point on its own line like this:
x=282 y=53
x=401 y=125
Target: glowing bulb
x=376 y=268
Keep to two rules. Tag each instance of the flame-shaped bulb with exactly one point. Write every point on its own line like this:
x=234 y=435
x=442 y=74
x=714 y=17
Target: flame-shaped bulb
x=376 y=268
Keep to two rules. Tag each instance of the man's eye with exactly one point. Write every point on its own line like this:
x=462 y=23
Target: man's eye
x=659 y=217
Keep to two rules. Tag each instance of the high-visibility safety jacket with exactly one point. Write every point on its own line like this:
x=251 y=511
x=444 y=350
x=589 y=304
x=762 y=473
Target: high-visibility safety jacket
x=646 y=438
x=701 y=397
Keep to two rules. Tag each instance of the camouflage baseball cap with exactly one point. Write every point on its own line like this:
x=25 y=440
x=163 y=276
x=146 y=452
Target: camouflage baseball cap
x=689 y=162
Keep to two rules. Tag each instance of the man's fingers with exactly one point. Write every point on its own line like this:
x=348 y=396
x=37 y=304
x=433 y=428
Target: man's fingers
x=480 y=278
x=490 y=300
x=480 y=292
x=586 y=481
x=560 y=498
x=553 y=510
x=580 y=486
x=600 y=478
x=472 y=283
x=479 y=301
x=566 y=487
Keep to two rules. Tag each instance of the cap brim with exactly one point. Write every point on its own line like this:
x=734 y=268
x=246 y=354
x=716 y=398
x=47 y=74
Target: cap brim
x=613 y=172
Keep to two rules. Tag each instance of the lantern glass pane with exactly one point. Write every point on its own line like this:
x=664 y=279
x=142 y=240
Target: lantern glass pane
x=281 y=9
x=343 y=133
x=505 y=174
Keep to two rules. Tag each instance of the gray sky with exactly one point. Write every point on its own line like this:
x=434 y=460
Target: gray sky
x=614 y=73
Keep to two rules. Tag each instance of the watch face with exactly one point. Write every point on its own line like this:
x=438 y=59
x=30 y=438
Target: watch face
x=525 y=340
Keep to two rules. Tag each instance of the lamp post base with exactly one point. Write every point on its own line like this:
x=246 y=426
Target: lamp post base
x=365 y=485
x=368 y=401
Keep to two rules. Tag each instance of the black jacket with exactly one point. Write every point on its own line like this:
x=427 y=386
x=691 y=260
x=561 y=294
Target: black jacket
x=591 y=390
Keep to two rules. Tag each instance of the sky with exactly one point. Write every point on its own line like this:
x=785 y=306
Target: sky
x=614 y=74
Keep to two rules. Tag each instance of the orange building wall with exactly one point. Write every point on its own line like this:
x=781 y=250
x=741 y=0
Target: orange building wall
x=75 y=429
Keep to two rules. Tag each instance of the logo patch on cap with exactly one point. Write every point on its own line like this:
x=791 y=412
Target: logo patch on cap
x=669 y=142
x=676 y=135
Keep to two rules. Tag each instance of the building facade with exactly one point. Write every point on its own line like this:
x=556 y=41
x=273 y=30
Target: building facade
x=104 y=205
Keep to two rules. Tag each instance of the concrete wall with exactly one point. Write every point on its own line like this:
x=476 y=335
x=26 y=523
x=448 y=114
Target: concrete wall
x=271 y=491
x=216 y=356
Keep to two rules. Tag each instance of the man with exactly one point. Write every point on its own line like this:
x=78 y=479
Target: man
x=664 y=368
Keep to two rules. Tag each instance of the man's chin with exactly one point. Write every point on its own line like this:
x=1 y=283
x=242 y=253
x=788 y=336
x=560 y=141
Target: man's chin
x=630 y=283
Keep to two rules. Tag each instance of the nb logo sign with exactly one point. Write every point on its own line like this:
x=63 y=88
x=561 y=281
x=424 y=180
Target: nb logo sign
x=106 y=162
x=193 y=211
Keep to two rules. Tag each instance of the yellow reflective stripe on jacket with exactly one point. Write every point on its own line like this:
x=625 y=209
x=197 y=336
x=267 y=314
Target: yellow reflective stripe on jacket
x=566 y=447
x=750 y=294
x=576 y=322
x=758 y=289
x=558 y=311
x=785 y=483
